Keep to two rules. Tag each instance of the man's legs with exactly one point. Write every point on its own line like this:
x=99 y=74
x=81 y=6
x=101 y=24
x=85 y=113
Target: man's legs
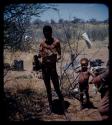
x=46 y=78
x=56 y=87
x=55 y=80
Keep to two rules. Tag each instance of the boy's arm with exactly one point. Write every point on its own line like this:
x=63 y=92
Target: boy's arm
x=92 y=74
x=78 y=71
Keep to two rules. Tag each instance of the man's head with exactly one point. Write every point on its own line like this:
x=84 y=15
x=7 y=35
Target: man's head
x=47 y=31
x=84 y=63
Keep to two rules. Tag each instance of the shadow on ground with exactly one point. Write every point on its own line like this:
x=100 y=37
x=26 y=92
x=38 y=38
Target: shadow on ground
x=57 y=108
x=90 y=105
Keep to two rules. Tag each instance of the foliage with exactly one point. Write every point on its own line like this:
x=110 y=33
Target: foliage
x=16 y=20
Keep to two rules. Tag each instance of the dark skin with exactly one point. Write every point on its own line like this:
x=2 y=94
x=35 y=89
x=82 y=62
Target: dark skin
x=85 y=72
x=83 y=81
x=48 y=37
x=49 y=69
x=49 y=40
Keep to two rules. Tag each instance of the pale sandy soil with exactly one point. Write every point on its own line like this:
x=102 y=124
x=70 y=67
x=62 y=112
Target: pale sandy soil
x=20 y=80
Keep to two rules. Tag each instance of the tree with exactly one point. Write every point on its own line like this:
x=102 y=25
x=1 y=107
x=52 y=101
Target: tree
x=52 y=21
x=60 y=21
x=106 y=21
x=16 y=19
x=93 y=21
x=77 y=20
x=37 y=22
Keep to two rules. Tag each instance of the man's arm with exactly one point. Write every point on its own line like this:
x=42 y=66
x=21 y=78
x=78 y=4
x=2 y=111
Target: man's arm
x=40 y=51
x=92 y=74
x=102 y=77
x=58 y=48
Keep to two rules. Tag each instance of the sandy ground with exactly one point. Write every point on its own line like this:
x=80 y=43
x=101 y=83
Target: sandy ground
x=20 y=80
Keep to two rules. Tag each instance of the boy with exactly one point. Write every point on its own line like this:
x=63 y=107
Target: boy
x=84 y=75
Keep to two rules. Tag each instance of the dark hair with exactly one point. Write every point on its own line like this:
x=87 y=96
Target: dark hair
x=35 y=57
x=84 y=60
x=47 y=28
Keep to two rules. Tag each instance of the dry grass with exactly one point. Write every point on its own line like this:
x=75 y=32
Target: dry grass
x=23 y=86
x=22 y=82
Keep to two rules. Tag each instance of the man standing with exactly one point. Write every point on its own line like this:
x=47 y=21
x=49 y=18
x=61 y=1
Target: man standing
x=50 y=52
x=102 y=83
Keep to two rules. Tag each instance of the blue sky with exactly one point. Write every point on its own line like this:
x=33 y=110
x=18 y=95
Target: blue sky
x=84 y=11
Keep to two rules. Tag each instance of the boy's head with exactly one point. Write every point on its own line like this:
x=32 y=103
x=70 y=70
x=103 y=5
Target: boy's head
x=84 y=63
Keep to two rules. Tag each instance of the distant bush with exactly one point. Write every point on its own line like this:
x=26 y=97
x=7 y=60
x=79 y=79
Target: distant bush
x=73 y=31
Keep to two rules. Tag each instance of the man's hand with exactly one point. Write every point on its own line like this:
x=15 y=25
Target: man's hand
x=96 y=80
x=39 y=56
